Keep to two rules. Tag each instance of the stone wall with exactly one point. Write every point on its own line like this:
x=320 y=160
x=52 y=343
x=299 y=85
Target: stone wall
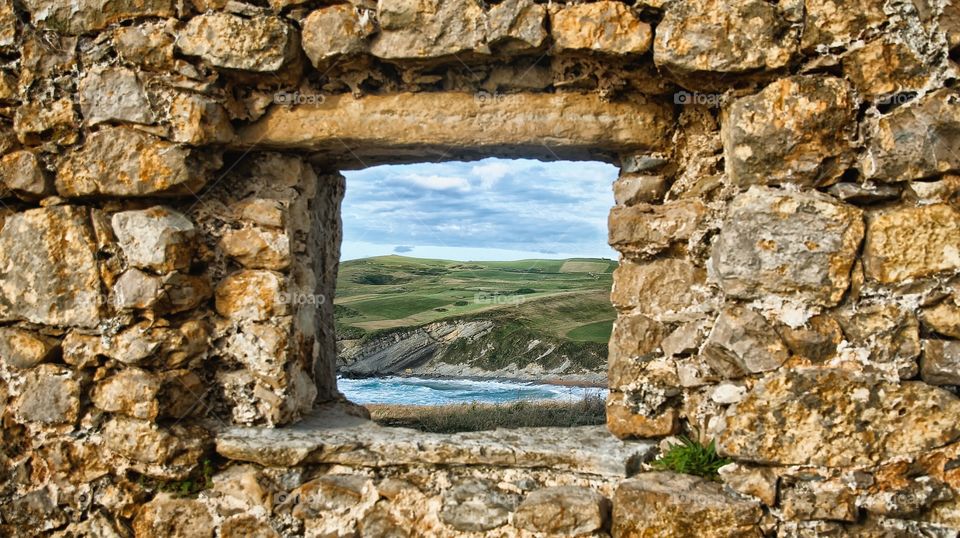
x=787 y=213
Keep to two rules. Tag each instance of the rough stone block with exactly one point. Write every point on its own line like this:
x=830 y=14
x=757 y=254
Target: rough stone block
x=84 y=16
x=626 y=421
x=22 y=173
x=131 y=392
x=797 y=130
x=477 y=506
x=828 y=23
x=942 y=318
x=169 y=453
x=917 y=140
x=742 y=342
x=516 y=26
x=418 y=30
x=605 y=26
x=799 y=246
x=912 y=242
x=157 y=239
x=563 y=511
x=50 y=395
x=889 y=333
x=258 y=248
x=114 y=94
x=251 y=295
x=941 y=362
x=120 y=161
x=262 y=44
x=706 y=43
x=641 y=231
x=24 y=349
x=336 y=30
x=48 y=267
x=664 y=289
x=885 y=67
x=169 y=516
x=671 y=504
x=815 y=416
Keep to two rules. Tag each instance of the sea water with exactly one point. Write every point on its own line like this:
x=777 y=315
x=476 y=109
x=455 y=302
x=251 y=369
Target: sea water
x=421 y=391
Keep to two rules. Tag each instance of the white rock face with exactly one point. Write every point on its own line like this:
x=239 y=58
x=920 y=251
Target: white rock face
x=158 y=239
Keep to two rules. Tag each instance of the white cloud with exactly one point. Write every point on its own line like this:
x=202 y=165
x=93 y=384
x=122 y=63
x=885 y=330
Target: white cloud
x=491 y=172
x=439 y=183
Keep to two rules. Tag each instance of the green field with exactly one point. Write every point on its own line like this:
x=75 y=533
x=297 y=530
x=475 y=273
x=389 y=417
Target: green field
x=568 y=299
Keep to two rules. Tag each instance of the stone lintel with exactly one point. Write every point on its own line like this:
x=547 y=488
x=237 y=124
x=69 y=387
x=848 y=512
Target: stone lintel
x=440 y=126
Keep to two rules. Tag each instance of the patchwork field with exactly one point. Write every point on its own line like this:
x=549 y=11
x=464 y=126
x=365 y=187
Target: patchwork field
x=565 y=298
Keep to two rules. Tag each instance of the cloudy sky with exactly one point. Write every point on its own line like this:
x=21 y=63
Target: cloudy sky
x=494 y=209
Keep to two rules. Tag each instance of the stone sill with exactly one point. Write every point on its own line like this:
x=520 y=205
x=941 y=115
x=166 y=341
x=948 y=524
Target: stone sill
x=330 y=435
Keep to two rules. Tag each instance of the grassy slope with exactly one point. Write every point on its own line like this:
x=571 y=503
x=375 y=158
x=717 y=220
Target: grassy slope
x=563 y=299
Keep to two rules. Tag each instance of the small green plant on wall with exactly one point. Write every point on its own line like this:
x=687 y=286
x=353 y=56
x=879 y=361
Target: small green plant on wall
x=692 y=457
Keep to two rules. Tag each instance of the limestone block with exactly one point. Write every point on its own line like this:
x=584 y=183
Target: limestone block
x=759 y=482
x=198 y=120
x=336 y=494
x=889 y=333
x=50 y=395
x=385 y=127
x=828 y=23
x=37 y=121
x=157 y=239
x=120 y=161
x=631 y=189
x=22 y=173
x=904 y=243
x=941 y=362
x=148 y=44
x=49 y=268
x=663 y=289
x=670 y=504
x=24 y=349
x=169 y=516
x=85 y=16
x=742 y=342
x=258 y=248
x=915 y=141
x=643 y=230
x=604 y=26
x=169 y=453
x=336 y=30
x=885 y=67
x=8 y=25
x=704 y=44
x=942 y=318
x=114 y=94
x=262 y=44
x=626 y=421
x=817 y=340
x=799 y=246
x=426 y=29
x=805 y=500
x=477 y=506
x=797 y=130
x=563 y=511
x=815 y=416
x=516 y=26
x=131 y=392
x=168 y=294
x=254 y=295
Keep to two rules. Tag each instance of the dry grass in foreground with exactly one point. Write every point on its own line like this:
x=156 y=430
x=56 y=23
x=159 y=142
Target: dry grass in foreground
x=477 y=417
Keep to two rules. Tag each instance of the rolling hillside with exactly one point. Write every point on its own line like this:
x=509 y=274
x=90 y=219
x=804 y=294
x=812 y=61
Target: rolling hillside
x=398 y=314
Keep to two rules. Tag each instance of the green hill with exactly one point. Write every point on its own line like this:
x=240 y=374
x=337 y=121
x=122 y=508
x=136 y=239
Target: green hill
x=567 y=299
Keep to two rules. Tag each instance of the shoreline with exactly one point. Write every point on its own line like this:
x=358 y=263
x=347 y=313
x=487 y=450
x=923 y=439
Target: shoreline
x=554 y=381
